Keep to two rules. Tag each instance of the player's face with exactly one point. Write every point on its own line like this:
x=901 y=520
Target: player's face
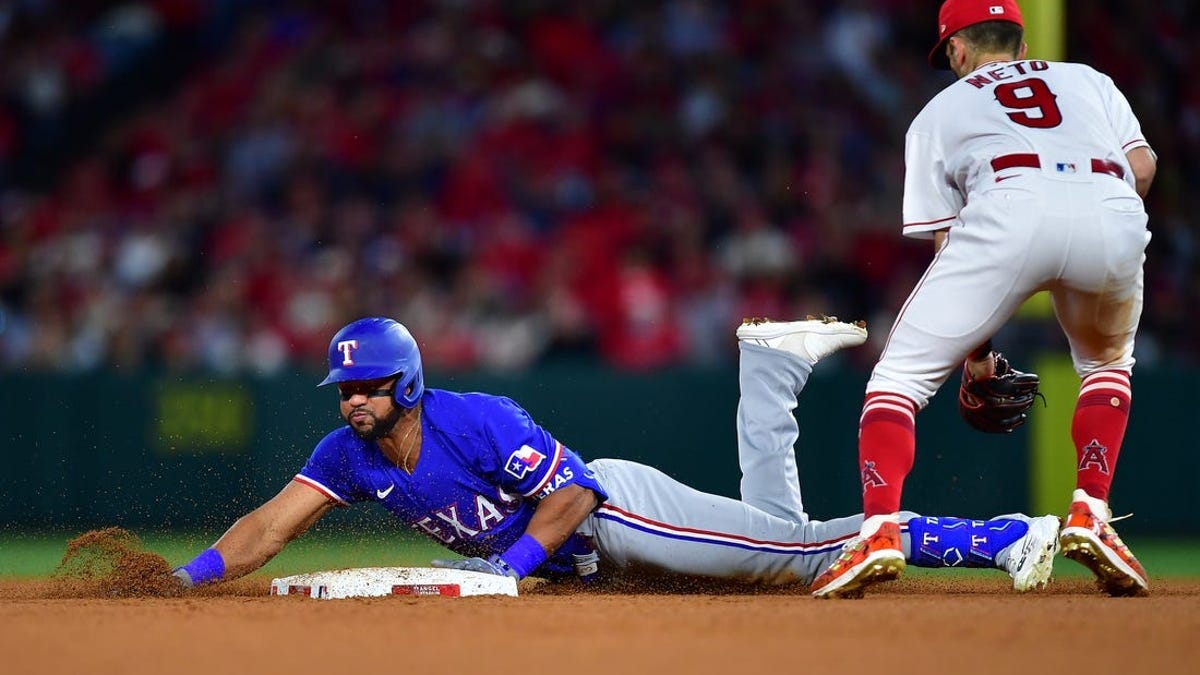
x=369 y=407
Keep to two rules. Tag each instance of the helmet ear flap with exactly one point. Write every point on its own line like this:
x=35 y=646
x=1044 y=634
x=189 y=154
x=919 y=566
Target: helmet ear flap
x=409 y=388
x=401 y=392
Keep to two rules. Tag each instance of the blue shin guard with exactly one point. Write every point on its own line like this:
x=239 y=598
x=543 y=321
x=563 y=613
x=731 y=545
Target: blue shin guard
x=957 y=542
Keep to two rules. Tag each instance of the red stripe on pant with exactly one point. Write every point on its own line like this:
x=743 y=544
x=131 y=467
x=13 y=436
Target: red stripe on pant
x=887 y=444
x=1098 y=429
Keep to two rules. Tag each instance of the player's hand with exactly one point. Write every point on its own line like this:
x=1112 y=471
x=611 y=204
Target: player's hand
x=493 y=565
x=587 y=566
x=1000 y=403
x=185 y=579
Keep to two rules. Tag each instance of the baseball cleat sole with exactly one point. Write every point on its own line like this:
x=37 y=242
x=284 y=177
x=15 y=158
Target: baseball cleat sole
x=811 y=339
x=1112 y=576
x=876 y=569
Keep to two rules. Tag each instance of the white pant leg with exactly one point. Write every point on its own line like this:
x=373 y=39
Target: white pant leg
x=992 y=262
x=767 y=431
x=1098 y=300
x=1082 y=239
x=653 y=524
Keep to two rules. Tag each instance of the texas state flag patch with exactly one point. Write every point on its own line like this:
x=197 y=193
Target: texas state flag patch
x=523 y=460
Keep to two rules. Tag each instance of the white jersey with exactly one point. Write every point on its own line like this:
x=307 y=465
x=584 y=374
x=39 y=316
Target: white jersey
x=1024 y=164
x=1066 y=111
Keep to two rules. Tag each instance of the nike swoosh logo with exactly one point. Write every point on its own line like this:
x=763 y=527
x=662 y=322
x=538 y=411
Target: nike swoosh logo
x=384 y=493
x=1000 y=178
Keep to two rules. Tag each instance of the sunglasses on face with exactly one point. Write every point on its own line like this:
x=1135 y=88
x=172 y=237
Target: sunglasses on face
x=348 y=394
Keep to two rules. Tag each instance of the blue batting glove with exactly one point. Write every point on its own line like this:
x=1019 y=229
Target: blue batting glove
x=493 y=565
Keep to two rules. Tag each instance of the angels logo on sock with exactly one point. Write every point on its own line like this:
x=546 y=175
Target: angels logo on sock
x=1094 y=456
x=523 y=460
x=871 y=477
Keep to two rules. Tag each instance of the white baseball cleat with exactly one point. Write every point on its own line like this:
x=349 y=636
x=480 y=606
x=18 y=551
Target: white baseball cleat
x=1031 y=558
x=812 y=339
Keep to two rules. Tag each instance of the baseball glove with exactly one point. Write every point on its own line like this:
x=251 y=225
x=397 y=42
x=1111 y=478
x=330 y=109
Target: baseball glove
x=1000 y=403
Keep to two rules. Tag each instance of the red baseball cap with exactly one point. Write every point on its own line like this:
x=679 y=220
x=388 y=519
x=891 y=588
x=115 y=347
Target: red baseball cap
x=956 y=15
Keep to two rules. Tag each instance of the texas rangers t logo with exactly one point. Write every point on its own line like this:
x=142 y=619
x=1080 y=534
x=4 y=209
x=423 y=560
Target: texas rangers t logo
x=1094 y=456
x=523 y=460
x=871 y=477
x=345 y=347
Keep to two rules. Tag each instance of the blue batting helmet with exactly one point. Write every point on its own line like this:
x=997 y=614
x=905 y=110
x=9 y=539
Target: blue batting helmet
x=373 y=349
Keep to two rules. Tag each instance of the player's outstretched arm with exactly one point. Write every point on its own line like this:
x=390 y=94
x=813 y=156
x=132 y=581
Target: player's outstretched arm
x=257 y=536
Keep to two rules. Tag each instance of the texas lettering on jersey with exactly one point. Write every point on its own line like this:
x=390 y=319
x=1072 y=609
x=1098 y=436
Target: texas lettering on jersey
x=560 y=478
x=446 y=525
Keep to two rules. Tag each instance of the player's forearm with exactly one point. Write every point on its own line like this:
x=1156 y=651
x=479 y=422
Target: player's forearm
x=559 y=515
x=1144 y=165
x=1142 y=183
x=257 y=536
x=245 y=547
x=939 y=239
x=249 y=544
x=981 y=361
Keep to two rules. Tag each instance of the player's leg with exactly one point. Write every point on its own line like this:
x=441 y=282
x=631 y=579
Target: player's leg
x=1099 y=306
x=775 y=360
x=1021 y=545
x=960 y=302
x=968 y=292
x=654 y=524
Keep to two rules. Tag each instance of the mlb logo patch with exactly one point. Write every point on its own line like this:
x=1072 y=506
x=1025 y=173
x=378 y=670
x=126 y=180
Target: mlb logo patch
x=523 y=460
x=996 y=9
x=1065 y=167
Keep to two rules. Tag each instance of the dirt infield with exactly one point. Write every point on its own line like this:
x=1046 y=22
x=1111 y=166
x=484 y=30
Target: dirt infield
x=915 y=625
x=107 y=609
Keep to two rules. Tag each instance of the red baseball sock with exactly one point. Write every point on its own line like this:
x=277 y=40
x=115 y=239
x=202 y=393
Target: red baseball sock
x=1098 y=428
x=887 y=444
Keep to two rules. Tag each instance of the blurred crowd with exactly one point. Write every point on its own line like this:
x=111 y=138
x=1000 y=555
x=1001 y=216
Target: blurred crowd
x=198 y=185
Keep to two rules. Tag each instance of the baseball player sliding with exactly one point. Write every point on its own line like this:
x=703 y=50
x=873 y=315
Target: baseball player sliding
x=1029 y=176
x=476 y=474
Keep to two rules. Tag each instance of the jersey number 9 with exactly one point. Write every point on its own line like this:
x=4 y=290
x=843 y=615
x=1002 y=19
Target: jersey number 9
x=1027 y=96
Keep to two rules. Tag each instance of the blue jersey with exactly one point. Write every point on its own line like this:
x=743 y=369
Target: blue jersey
x=484 y=465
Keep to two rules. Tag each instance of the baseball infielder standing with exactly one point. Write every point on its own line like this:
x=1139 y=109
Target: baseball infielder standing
x=1029 y=176
x=476 y=474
